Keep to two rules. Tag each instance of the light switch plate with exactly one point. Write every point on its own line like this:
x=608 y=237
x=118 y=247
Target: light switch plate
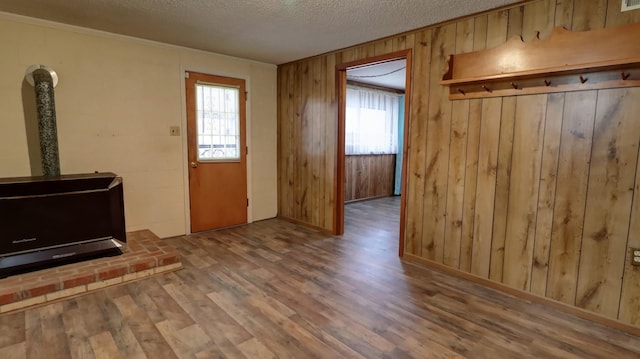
x=174 y=130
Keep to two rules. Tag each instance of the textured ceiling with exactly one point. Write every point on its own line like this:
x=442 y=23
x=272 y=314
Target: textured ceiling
x=272 y=31
x=391 y=74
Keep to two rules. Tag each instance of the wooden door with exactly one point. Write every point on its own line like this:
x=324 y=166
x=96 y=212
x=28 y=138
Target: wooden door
x=216 y=133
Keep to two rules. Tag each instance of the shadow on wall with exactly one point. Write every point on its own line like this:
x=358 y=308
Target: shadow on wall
x=31 y=126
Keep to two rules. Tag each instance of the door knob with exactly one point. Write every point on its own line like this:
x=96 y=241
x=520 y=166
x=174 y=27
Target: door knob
x=193 y=164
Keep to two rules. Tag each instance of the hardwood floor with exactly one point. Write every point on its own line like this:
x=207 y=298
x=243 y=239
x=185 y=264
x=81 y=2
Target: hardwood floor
x=275 y=289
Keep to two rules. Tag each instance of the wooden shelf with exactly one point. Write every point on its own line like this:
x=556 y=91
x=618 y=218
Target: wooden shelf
x=566 y=61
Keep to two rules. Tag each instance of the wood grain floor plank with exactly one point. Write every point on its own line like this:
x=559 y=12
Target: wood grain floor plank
x=123 y=336
x=12 y=327
x=73 y=325
x=252 y=348
x=145 y=331
x=14 y=351
x=104 y=346
x=225 y=332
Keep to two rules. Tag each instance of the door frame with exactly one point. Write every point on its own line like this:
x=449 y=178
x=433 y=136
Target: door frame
x=339 y=181
x=185 y=143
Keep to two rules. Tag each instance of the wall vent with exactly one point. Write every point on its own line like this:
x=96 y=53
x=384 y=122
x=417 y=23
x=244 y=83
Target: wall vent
x=628 y=5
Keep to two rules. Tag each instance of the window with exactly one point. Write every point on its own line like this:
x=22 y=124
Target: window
x=218 y=119
x=371 y=123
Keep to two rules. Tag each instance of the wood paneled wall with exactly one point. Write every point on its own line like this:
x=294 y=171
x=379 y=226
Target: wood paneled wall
x=539 y=192
x=368 y=176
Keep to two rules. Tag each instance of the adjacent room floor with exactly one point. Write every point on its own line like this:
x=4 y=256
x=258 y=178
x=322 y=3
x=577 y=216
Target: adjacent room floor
x=275 y=289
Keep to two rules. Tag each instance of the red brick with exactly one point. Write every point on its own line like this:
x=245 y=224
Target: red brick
x=167 y=259
x=112 y=272
x=152 y=248
x=11 y=297
x=141 y=265
x=40 y=289
x=133 y=247
x=78 y=280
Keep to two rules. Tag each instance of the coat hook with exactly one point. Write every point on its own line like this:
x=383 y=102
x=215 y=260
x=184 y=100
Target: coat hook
x=461 y=91
x=624 y=76
x=514 y=85
x=548 y=83
x=486 y=88
x=583 y=79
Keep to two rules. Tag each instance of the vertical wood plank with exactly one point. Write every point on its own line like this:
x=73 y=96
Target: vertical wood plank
x=324 y=103
x=437 y=154
x=365 y=51
x=287 y=136
x=514 y=27
x=497 y=28
x=347 y=55
x=470 y=182
x=417 y=141
x=524 y=185
x=611 y=180
x=298 y=147
x=505 y=146
x=282 y=142
x=331 y=138
x=575 y=154
x=488 y=159
x=304 y=185
x=537 y=20
x=316 y=124
x=486 y=185
x=383 y=47
x=292 y=146
x=564 y=14
x=546 y=197
x=589 y=14
x=571 y=189
x=403 y=42
x=457 y=159
x=471 y=169
x=503 y=175
x=549 y=171
x=630 y=295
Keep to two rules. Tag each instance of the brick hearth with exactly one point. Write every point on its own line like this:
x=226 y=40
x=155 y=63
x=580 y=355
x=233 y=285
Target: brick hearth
x=145 y=255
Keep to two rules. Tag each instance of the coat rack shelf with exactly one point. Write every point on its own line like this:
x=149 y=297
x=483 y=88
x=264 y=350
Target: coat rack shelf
x=566 y=61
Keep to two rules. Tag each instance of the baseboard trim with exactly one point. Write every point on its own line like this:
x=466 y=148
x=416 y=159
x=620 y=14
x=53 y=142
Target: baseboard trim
x=579 y=312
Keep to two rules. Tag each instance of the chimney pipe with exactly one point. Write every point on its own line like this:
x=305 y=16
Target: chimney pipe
x=44 y=79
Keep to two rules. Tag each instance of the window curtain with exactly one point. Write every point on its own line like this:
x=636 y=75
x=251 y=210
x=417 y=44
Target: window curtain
x=371 y=123
x=397 y=184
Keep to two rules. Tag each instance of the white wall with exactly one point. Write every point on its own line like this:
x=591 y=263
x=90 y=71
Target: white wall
x=115 y=101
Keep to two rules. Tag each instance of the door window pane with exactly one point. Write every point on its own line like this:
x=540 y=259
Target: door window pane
x=218 y=119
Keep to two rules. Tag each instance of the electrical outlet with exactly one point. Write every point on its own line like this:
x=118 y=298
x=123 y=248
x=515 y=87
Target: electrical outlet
x=174 y=130
x=635 y=256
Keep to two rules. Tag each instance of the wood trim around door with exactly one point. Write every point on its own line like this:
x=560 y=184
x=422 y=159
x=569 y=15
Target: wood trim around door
x=339 y=185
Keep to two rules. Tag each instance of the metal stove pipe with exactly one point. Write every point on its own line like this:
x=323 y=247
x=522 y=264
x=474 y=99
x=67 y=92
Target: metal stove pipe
x=44 y=79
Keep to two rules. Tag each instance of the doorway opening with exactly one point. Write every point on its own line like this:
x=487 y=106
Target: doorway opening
x=372 y=137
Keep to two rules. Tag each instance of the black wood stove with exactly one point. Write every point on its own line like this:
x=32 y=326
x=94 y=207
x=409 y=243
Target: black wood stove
x=50 y=220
